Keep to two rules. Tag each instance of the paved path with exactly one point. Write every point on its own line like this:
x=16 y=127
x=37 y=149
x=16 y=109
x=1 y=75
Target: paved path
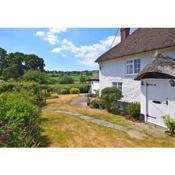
x=132 y=133
x=148 y=129
x=136 y=132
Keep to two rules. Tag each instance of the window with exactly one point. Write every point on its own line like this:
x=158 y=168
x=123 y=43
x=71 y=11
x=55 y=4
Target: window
x=117 y=85
x=133 y=66
x=136 y=66
x=129 y=65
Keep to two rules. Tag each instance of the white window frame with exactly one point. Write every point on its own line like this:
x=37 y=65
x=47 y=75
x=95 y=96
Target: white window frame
x=133 y=66
x=118 y=85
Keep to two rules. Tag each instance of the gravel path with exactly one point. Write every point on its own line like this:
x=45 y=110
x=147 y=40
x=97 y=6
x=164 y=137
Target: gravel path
x=82 y=101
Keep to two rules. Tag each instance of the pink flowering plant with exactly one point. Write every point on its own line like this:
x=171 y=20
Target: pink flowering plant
x=19 y=120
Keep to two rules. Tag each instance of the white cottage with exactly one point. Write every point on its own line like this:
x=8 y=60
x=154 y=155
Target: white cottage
x=120 y=65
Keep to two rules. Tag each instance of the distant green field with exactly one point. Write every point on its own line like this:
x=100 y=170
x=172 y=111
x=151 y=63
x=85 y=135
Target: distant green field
x=78 y=76
x=84 y=88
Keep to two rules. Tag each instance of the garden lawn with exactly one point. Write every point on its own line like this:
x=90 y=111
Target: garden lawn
x=65 y=130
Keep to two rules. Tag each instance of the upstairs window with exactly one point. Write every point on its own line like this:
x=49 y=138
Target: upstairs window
x=136 y=66
x=133 y=66
x=129 y=66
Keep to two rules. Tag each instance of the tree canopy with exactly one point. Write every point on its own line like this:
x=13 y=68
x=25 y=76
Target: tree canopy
x=36 y=76
x=14 y=65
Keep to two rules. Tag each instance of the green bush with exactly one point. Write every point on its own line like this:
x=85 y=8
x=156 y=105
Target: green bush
x=74 y=91
x=111 y=95
x=66 y=79
x=18 y=86
x=97 y=103
x=170 y=123
x=19 y=120
x=36 y=76
x=134 y=110
x=84 y=88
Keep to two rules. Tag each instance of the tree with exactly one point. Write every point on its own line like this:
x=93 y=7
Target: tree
x=36 y=76
x=3 y=54
x=83 y=79
x=33 y=62
x=11 y=72
x=13 y=65
x=65 y=79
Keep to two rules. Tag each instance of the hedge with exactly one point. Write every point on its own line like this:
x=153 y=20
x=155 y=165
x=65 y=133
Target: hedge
x=18 y=86
x=74 y=91
x=97 y=103
x=58 y=88
x=134 y=110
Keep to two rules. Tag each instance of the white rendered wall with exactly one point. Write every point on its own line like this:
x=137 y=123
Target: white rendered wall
x=94 y=86
x=115 y=71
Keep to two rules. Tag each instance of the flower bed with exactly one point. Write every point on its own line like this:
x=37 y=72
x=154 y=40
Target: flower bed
x=19 y=120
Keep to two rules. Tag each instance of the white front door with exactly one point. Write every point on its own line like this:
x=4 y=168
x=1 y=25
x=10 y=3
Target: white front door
x=158 y=101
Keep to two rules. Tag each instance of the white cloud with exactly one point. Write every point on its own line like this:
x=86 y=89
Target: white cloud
x=58 y=30
x=51 y=36
x=40 y=34
x=86 y=54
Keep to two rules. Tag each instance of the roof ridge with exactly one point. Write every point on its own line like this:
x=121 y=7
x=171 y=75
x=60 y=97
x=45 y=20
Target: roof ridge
x=141 y=40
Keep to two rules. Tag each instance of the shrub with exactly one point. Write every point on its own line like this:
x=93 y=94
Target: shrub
x=84 y=88
x=36 y=76
x=19 y=120
x=134 y=110
x=74 y=91
x=18 y=86
x=111 y=95
x=170 y=123
x=66 y=79
x=97 y=103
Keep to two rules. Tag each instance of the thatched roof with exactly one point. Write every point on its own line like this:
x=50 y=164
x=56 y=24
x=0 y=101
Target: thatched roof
x=95 y=77
x=161 y=67
x=142 y=40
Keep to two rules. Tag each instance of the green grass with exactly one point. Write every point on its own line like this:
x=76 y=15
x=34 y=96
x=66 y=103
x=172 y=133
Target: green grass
x=63 y=130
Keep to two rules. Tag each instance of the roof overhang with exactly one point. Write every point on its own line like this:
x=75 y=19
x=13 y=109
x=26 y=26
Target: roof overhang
x=155 y=75
x=162 y=67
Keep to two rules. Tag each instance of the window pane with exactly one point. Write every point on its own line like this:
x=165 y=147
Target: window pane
x=120 y=85
x=114 y=84
x=117 y=85
x=137 y=66
x=129 y=67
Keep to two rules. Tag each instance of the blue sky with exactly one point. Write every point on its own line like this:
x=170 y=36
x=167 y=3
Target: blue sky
x=61 y=48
